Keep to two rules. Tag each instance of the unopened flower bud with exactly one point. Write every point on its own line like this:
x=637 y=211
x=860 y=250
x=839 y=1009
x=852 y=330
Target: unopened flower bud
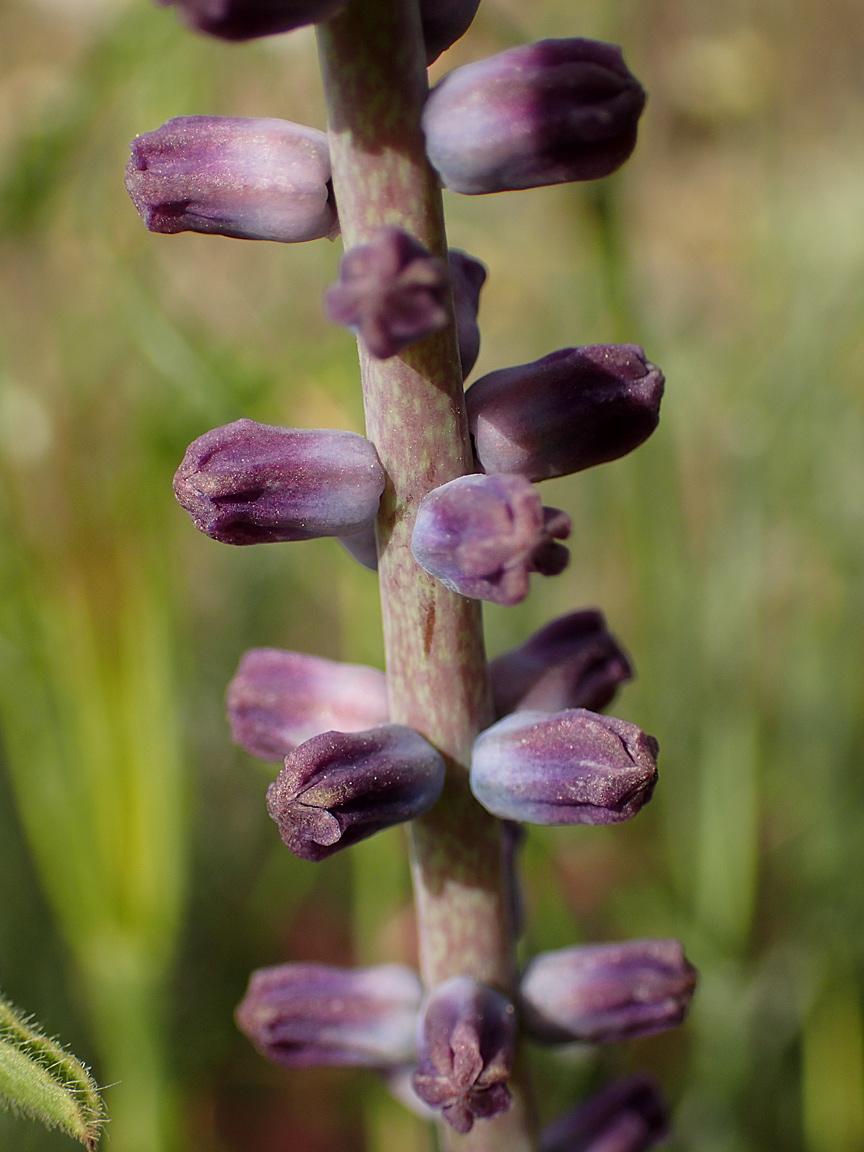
x=571 y=410
x=362 y=547
x=341 y=787
x=466 y=1052
x=628 y=1115
x=248 y=19
x=468 y=277
x=278 y=700
x=252 y=179
x=570 y=767
x=309 y=1015
x=391 y=293
x=602 y=993
x=545 y=113
x=512 y=839
x=444 y=22
x=250 y=483
x=574 y=662
x=482 y=536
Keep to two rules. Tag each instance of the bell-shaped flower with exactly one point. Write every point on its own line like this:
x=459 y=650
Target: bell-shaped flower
x=545 y=113
x=310 y=1015
x=570 y=767
x=574 y=662
x=603 y=993
x=468 y=277
x=250 y=483
x=391 y=293
x=468 y=1037
x=482 y=536
x=341 y=787
x=253 y=179
x=278 y=700
x=444 y=22
x=628 y=1115
x=571 y=410
x=248 y=19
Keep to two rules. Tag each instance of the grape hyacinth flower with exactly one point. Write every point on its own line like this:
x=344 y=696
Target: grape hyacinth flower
x=278 y=700
x=250 y=483
x=251 y=179
x=570 y=410
x=628 y=1115
x=444 y=22
x=570 y=767
x=466 y=1052
x=573 y=662
x=546 y=113
x=391 y=293
x=468 y=276
x=603 y=993
x=482 y=536
x=310 y=1015
x=249 y=19
x=341 y=787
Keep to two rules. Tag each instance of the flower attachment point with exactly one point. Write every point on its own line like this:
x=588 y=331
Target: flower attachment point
x=278 y=700
x=546 y=113
x=250 y=483
x=628 y=1115
x=251 y=179
x=603 y=993
x=573 y=409
x=482 y=536
x=312 y=1015
x=391 y=293
x=570 y=767
x=341 y=787
x=248 y=19
x=468 y=1038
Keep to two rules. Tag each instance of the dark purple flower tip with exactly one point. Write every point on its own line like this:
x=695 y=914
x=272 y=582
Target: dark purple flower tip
x=574 y=662
x=628 y=1115
x=607 y=992
x=341 y=787
x=444 y=22
x=278 y=700
x=545 y=113
x=248 y=19
x=249 y=483
x=252 y=179
x=391 y=293
x=571 y=410
x=482 y=536
x=570 y=767
x=309 y=1015
x=468 y=277
x=468 y=1037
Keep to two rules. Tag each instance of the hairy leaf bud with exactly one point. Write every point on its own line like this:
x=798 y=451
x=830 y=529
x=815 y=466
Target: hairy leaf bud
x=628 y=1115
x=252 y=179
x=250 y=483
x=248 y=19
x=341 y=787
x=444 y=22
x=602 y=993
x=482 y=536
x=570 y=767
x=468 y=277
x=545 y=113
x=571 y=410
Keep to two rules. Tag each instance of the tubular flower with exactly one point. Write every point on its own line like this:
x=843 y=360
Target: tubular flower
x=249 y=19
x=444 y=22
x=628 y=1115
x=468 y=276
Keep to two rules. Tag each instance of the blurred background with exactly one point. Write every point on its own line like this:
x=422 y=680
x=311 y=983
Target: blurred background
x=140 y=877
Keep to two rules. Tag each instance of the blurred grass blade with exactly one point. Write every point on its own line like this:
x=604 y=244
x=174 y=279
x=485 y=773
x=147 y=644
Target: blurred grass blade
x=40 y=1079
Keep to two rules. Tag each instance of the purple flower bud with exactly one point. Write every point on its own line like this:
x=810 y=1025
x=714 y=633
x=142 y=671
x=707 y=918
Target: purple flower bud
x=444 y=22
x=362 y=547
x=512 y=839
x=253 y=179
x=278 y=700
x=571 y=410
x=482 y=536
x=574 y=662
x=308 y=1015
x=247 y=19
x=570 y=767
x=341 y=787
x=607 y=992
x=390 y=293
x=545 y=113
x=628 y=1115
x=249 y=483
x=466 y=1052
x=468 y=277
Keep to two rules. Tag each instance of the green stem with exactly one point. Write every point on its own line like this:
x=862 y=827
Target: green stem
x=375 y=81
